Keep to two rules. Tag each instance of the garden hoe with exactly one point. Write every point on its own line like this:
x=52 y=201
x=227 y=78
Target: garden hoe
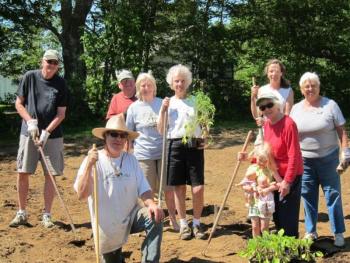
x=46 y=160
x=227 y=193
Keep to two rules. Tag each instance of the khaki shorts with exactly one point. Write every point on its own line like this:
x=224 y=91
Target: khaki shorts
x=28 y=155
x=152 y=172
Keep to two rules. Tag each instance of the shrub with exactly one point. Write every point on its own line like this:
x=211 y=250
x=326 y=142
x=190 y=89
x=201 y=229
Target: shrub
x=279 y=248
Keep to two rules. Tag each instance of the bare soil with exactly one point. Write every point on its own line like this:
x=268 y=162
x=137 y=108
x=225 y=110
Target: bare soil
x=36 y=244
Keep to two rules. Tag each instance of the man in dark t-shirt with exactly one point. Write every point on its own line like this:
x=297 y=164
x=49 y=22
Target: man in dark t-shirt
x=42 y=98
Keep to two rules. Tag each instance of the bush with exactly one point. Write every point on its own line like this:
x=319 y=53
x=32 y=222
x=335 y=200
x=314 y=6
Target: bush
x=279 y=248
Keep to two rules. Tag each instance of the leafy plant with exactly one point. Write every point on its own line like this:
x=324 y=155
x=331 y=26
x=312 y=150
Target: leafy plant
x=203 y=117
x=279 y=248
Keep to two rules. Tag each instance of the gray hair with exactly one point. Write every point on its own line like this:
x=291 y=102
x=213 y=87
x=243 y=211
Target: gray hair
x=179 y=70
x=312 y=76
x=142 y=77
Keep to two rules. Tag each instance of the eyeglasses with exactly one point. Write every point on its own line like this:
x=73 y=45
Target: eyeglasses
x=121 y=135
x=52 y=62
x=268 y=106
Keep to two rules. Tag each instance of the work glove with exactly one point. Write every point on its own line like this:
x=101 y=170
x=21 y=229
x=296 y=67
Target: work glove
x=33 y=129
x=43 y=137
x=344 y=160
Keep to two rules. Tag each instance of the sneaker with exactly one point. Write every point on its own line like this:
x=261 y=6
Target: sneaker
x=185 y=233
x=199 y=232
x=339 y=240
x=312 y=236
x=19 y=220
x=47 y=221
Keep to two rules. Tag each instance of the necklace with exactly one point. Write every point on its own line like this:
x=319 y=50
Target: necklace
x=117 y=169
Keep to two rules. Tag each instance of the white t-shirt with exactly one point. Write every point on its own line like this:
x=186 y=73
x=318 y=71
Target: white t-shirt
x=317 y=134
x=282 y=94
x=117 y=197
x=181 y=112
x=142 y=117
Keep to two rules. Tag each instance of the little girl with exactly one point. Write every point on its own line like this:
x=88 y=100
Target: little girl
x=265 y=173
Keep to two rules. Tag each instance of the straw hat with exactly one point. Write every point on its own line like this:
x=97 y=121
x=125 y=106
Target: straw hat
x=115 y=123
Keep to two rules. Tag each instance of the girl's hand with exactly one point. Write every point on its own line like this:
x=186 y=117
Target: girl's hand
x=242 y=156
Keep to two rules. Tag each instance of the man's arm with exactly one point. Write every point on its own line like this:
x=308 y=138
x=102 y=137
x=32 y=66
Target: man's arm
x=61 y=114
x=22 y=111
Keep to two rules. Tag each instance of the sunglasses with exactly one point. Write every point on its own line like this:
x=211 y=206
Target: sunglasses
x=267 y=106
x=121 y=135
x=52 y=62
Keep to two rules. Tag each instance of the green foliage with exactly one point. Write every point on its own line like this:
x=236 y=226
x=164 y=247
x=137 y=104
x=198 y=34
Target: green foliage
x=203 y=116
x=278 y=248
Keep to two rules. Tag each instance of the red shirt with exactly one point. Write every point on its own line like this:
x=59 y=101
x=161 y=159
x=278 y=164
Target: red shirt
x=284 y=141
x=119 y=104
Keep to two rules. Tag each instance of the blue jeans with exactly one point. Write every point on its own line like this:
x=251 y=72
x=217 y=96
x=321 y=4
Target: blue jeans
x=151 y=245
x=322 y=171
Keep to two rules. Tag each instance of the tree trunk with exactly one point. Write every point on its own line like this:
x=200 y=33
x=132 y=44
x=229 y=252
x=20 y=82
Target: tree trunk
x=73 y=23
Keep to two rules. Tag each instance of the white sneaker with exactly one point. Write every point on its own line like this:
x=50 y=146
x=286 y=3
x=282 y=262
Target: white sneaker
x=339 y=240
x=312 y=236
x=20 y=219
x=47 y=221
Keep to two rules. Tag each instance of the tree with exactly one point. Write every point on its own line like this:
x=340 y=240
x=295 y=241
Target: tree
x=310 y=35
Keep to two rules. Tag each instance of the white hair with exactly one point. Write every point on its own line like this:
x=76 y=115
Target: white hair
x=181 y=70
x=312 y=76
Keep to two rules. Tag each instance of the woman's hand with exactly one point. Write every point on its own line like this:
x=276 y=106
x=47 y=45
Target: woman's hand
x=165 y=104
x=284 y=188
x=259 y=121
x=203 y=143
x=254 y=91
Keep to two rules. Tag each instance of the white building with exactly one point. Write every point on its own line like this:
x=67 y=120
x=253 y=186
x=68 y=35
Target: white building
x=6 y=87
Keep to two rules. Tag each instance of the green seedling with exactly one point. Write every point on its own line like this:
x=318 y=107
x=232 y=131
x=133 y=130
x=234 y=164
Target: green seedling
x=203 y=117
x=278 y=248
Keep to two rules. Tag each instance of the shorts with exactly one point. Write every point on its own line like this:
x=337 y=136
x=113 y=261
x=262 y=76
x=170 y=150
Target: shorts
x=253 y=211
x=28 y=155
x=266 y=208
x=185 y=164
x=152 y=171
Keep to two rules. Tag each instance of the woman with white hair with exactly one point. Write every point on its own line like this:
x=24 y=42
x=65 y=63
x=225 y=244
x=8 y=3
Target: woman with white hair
x=185 y=161
x=281 y=133
x=321 y=126
x=142 y=117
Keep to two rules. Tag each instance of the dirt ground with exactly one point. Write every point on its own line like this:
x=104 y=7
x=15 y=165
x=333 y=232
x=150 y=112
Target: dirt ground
x=36 y=244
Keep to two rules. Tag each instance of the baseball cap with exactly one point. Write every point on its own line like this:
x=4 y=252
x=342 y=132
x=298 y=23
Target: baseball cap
x=51 y=54
x=124 y=74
